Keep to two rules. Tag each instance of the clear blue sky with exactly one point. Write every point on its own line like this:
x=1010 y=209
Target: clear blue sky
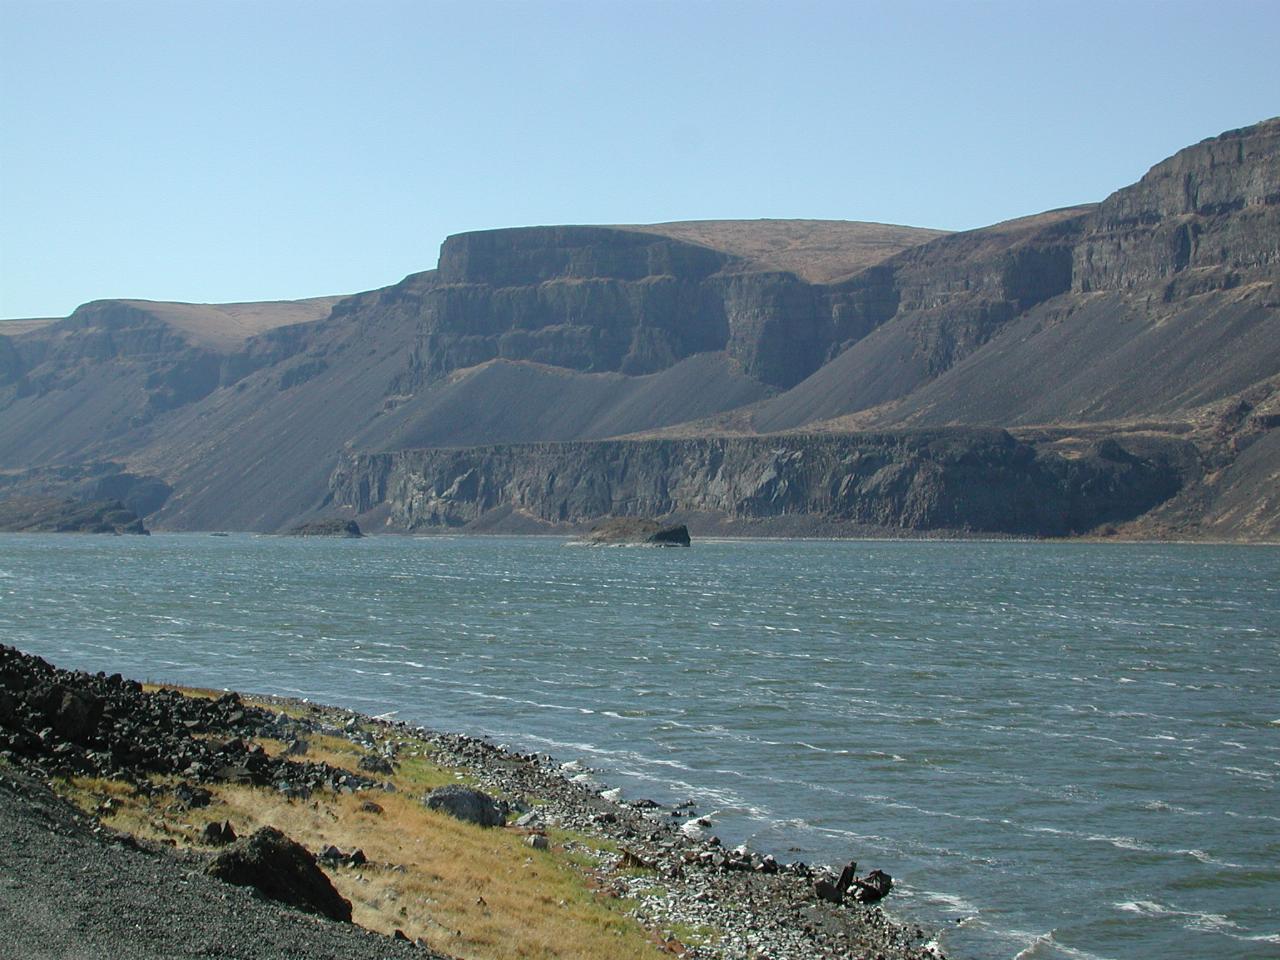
x=214 y=151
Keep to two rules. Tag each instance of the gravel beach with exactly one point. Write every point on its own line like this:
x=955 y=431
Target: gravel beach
x=74 y=888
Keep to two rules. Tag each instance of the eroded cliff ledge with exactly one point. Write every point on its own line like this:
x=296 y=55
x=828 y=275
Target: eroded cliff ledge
x=966 y=480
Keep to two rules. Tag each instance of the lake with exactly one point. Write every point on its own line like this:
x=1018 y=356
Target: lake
x=1058 y=750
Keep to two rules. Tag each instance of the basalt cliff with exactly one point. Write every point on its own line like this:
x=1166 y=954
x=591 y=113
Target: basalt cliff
x=1104 y=369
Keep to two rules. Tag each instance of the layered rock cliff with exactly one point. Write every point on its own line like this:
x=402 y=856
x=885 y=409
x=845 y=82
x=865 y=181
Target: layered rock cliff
x=1162 y=298
x=1151 y=311
x=597 y=299
x=960 y=480
x=1211 y=212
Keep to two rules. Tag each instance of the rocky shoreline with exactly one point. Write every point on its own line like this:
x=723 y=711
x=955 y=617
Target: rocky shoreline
x=675 y=879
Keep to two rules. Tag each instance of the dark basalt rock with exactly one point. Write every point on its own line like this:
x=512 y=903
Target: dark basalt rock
x=959 y=479
x=218 y=834
x=636 y=531
x=26 y=514
x=281 y=870
x=874 y=886
x=373 y=763
x=65 y=722
x=327 y=528
x=468 y=804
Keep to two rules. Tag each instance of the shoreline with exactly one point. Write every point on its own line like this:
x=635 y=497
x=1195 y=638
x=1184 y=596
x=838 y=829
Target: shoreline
x=674 y=882
x=948 y=537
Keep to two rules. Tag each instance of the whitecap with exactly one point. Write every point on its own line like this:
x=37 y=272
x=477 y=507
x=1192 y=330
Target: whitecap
x=1195 y=920
x=1045 y=946
x=1259 y=938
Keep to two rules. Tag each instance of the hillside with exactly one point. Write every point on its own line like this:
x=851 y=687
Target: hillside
x=1152 y=314
x=819 y=251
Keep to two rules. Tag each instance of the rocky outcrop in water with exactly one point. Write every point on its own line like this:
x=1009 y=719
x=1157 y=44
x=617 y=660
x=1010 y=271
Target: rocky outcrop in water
x=343 y=529
x=960 y=479
x=86 y=482
x=636 y=531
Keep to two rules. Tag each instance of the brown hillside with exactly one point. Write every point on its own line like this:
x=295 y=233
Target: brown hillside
x=820 y=251
x=226 y=325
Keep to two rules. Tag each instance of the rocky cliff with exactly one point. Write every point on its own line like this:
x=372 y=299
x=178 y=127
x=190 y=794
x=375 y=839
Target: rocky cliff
x=1208 y=216
x=1159 y=300
x=1154 y=312
x=598 y=299
x=959 y=480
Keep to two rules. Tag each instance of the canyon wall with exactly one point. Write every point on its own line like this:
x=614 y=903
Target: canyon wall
x=960 y=480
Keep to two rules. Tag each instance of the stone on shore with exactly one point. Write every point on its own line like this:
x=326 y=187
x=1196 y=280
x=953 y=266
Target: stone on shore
x=468 y=804
x=282 y=870
x=874 y=886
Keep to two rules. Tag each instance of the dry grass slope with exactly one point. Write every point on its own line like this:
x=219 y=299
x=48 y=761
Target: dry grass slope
x=227 y=325
x=473 y=893
x=820 y=251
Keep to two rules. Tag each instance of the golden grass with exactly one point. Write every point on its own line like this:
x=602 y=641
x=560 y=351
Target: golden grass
x=474 y=893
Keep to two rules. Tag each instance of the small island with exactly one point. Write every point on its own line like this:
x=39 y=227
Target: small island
x=636 y=532
x=347 y=529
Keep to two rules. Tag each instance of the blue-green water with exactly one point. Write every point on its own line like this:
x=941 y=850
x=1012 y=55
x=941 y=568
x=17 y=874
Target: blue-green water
x=1071 y=749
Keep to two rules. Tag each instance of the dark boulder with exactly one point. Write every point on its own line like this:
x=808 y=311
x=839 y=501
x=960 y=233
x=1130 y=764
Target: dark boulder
x=677 y=536
x=826 y=890
x=373 y=763
x=469 y=804
x=847 y=876
x=217 y=834
x=282 y=870
x=874 y=886
x=190 y=797
x=73 y=714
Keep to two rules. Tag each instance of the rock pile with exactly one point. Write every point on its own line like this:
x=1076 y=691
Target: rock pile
x=282 y=870
x=68 y=723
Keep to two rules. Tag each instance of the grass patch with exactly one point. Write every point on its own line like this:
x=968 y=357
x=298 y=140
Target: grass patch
x=696 y=935
x=473 y=893
x=469 y=891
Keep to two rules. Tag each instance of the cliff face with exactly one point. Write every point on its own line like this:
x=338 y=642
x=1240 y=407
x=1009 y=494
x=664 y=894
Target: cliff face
x=1160 y=299
x=1154 y=306
x=915 y=316
x=964 y=480
x=1211 y=211
x=597 y=299
x=81 y=385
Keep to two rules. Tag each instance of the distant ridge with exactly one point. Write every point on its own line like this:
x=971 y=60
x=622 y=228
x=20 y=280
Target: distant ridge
x=820 y=251
x=1141 y=332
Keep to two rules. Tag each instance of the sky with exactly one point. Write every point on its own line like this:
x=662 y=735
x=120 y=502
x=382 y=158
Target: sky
x=215 y=151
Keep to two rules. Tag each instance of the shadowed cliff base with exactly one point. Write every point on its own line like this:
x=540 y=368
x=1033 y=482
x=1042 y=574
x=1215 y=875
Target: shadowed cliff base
x=956 y=480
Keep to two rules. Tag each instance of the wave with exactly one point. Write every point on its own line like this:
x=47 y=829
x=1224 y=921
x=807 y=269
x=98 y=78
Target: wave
x=1195 y=920
x=1043 y=946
